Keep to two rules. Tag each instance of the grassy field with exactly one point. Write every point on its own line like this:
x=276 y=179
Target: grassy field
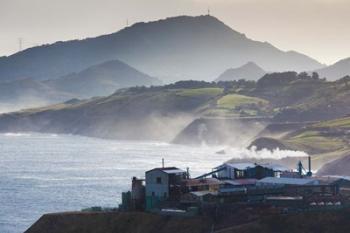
x=232 y=101
x=317 y=144
x=341 y=123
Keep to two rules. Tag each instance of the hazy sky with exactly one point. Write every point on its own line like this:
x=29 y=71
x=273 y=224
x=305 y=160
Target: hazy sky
x=318 y=28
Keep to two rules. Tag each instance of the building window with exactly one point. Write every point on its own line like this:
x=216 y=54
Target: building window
x=165 y=195
x=159 y=180
x=239 y=174
x=153 y=194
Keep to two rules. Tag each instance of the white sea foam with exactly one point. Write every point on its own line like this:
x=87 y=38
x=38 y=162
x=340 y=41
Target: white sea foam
x=17 y=134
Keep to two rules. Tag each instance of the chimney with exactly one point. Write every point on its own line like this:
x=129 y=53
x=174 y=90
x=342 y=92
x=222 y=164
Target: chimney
x=309 y=172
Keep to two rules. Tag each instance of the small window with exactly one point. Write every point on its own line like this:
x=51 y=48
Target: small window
x=153 y=194
x=159 y=180
x=165 y=195
x=239 y=174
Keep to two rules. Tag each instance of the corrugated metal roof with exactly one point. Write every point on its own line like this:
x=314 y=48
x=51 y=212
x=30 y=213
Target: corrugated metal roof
x=168 y=170
x=174 y=171
x=241 y=166
x=329 y=180
x=244 y=166
x=285 y=198
x=287 y=181
x=239 y=182
x=203 y=193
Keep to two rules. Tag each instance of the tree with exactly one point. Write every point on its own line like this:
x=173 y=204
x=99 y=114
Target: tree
x=315 y=76
x=303 y=75
x=346 y=80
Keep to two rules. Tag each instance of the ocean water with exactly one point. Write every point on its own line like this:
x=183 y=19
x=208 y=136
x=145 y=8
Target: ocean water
x=42 y=173
x=51 y=173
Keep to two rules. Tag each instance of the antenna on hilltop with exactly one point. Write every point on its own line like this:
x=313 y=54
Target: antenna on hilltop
x=127 y=22
x=208 y=11
x=20 y=44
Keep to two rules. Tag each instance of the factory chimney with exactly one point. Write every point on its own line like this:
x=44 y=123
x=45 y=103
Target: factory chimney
x=309 y=173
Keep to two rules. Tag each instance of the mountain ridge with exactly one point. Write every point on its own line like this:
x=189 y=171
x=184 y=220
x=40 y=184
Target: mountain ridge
x=182 y=47
x=102 y=79
x=249 y=71
x=98 y=80
x=337 y=70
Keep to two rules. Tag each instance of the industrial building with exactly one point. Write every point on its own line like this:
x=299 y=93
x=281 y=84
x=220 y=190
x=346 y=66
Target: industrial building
x=248 y=170
x=232 y=184
x=163 y=184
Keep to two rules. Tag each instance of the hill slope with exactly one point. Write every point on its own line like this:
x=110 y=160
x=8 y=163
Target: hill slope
x=325 y=141
x=240 y=222
x=102 y=79
x=172 y=49
x=98 y=80
x=339 y=167
x=28 y=93
x=337 y=70
x=249 y=71
x=136 y=113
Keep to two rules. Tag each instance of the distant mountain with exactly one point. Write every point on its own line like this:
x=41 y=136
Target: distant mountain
x=339 y=167
x=336 y=71
x=172 y=49
x=102 y=80
x=249 y=71
x=28 y=93
x=98 y=80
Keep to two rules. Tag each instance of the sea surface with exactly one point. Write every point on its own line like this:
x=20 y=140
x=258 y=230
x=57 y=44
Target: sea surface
x=42 y=173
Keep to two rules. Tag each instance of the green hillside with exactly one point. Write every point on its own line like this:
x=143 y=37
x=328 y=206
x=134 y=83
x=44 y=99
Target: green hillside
x=232 y=101
x=298 y=106
x=325 y=141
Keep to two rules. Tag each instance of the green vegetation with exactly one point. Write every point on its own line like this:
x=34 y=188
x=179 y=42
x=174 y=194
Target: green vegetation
x=325 y=141
x=324 y=137
x=232 y=101
x=209 y=92
x=317 y=144
x=342 y=123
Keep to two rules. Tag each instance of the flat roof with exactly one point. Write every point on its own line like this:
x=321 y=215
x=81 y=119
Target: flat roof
x=203 y=193
x=288 y=181
x=285 y=198
x=328 y=180
x=168 y=170
x=172 y=171
x=239 y=166
x=239 y=182
x=244 y=166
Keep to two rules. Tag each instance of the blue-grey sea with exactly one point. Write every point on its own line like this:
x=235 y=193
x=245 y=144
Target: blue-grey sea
x=41 y=173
